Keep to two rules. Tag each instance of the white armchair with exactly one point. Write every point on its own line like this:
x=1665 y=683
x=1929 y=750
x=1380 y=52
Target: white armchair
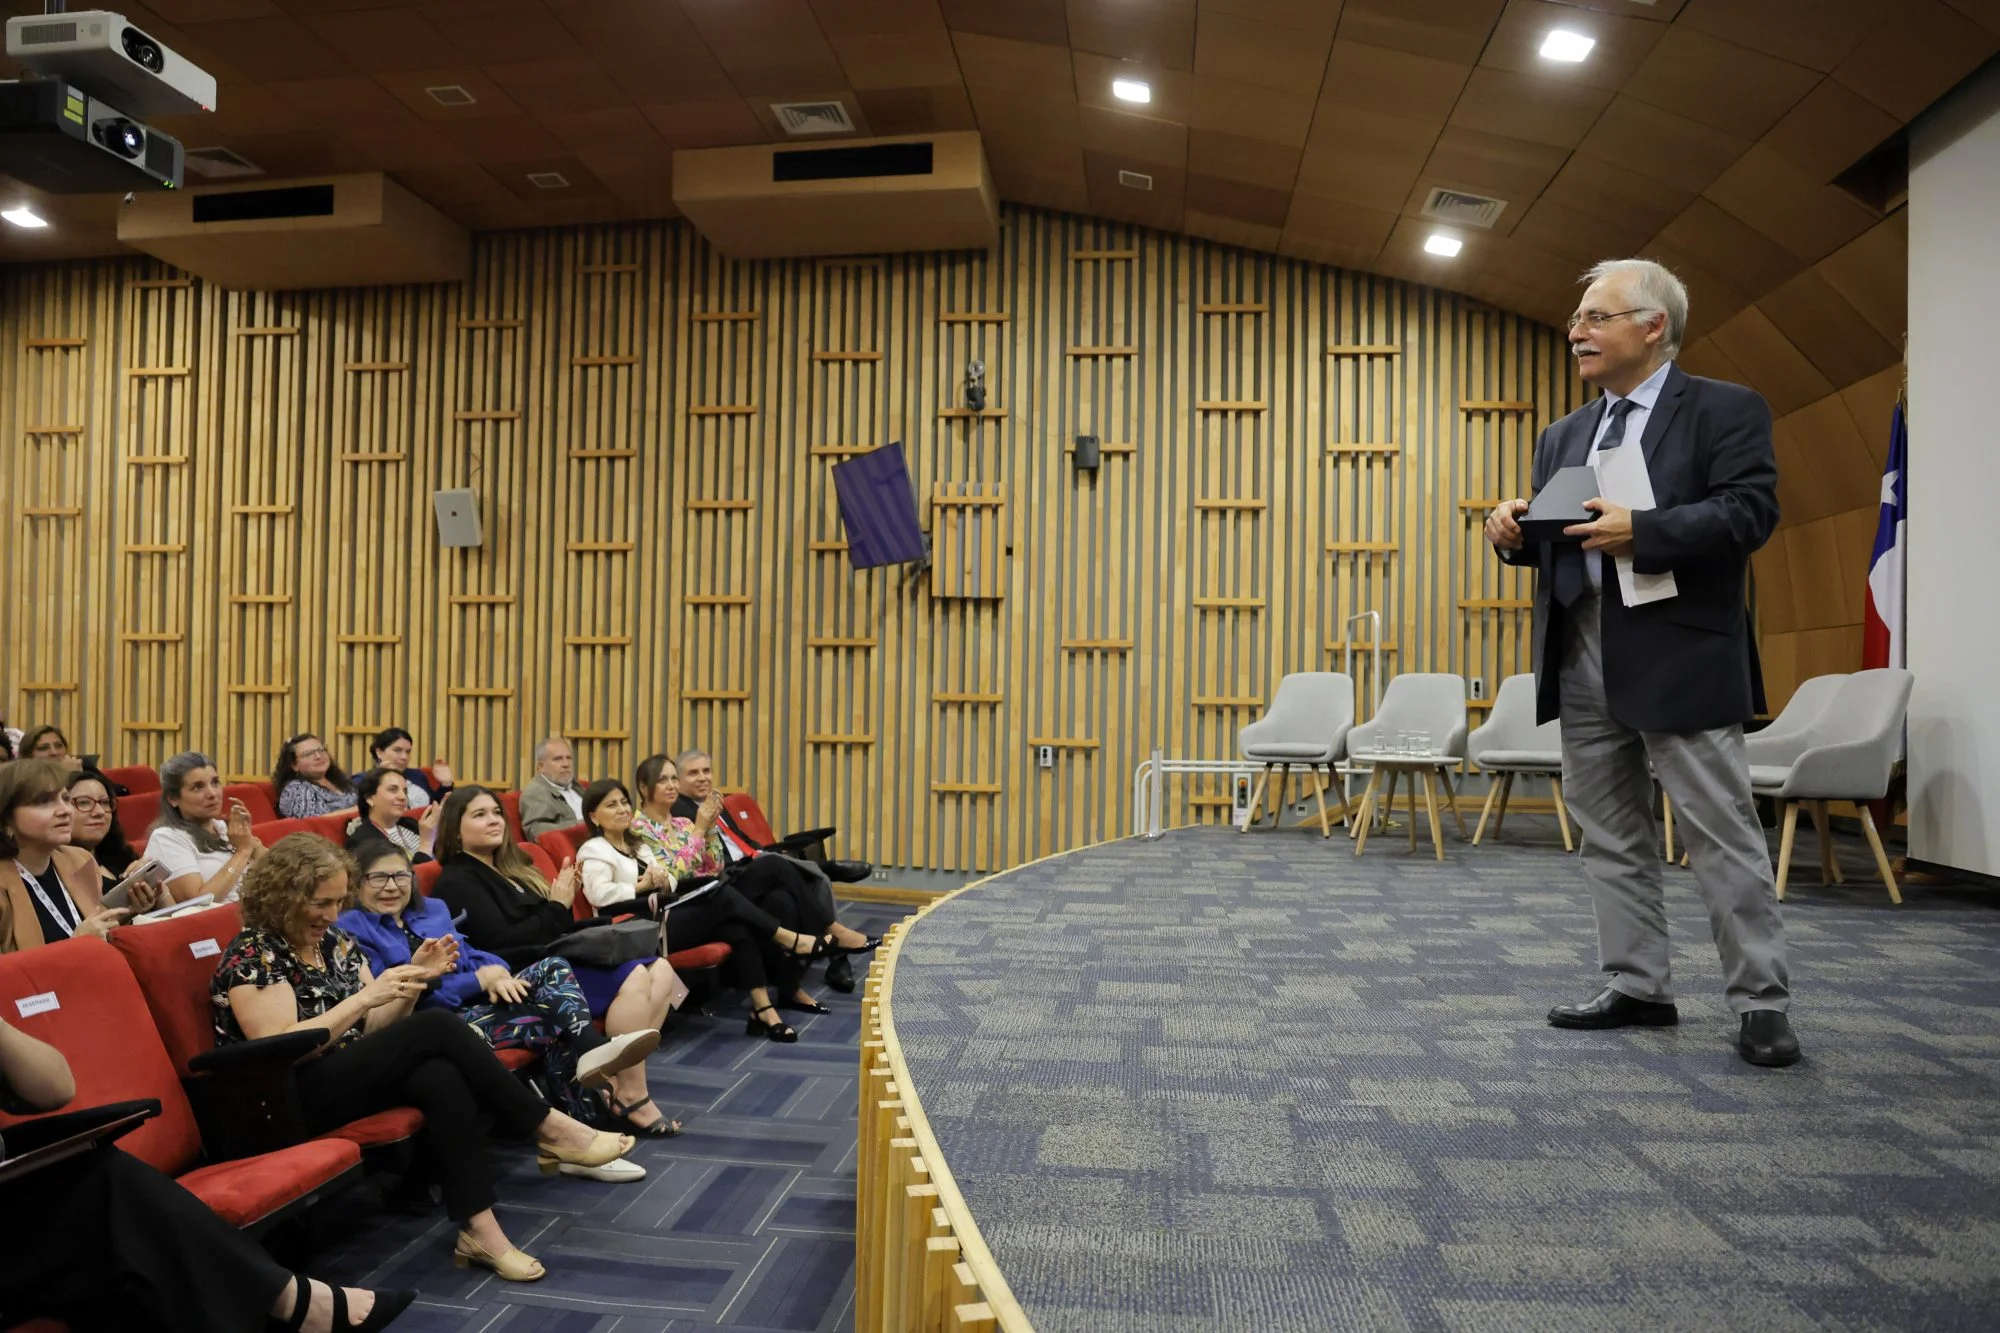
x=1510 y=744
x=1307 y=724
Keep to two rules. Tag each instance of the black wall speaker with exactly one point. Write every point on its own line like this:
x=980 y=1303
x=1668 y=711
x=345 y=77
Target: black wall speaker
x=1086 y=453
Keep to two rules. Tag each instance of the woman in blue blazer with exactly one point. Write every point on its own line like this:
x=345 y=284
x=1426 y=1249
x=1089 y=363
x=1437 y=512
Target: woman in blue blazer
x=541 y=1008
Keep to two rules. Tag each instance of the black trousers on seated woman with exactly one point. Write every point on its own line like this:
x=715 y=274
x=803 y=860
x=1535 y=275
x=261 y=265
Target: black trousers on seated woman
x=722 y=914
x=109 y=1245
x=781 y=888
x=434 y=1061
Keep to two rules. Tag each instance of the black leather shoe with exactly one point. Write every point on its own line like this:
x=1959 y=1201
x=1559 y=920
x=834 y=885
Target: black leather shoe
x=840 y=975
x=1614 y=1009
x=1766 y=1038
x=847 y=872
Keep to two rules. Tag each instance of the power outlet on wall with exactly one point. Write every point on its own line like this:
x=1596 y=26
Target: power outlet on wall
x=1045 y=755
x=1478 y=688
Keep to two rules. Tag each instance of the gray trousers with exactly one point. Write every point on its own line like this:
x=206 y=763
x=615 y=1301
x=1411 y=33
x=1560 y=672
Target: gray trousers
x=1610 y=794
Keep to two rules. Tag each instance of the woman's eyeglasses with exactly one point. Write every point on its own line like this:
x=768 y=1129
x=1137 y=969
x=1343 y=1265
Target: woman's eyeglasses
x=88 y=805
x=382 y=879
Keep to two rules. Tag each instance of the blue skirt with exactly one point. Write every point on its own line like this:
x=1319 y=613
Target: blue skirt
x=600 y=984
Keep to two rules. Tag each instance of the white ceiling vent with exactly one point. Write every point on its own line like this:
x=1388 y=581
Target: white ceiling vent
x=1463 y=210
x=548 y=180
x=220 y=164
x=1137 y=180
x=451 y=94
x=813 y=117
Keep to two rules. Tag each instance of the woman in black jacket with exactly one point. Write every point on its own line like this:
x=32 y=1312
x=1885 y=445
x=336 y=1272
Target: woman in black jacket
x=508 y=909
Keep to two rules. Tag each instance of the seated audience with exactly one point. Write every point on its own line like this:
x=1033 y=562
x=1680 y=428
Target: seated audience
x=49 y=743
x=701 y=805
x=307 y=780
x=505 y=907
x=102 y=1241
x=200 y=853
x=292 y=968
x=382 y=795
x=540 y=1009
x=394 y=748
x=550 y=800
x=55 y=891
x=9 y=738
x=94 y=828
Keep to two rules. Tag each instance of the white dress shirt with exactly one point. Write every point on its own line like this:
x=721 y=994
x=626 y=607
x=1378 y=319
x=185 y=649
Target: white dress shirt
x=1643 y=397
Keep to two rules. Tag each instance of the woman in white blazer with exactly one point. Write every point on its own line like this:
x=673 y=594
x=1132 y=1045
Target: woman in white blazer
x=619 y=867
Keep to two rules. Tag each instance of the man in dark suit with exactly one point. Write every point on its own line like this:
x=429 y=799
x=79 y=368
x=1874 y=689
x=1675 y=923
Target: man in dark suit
x=1661 y=685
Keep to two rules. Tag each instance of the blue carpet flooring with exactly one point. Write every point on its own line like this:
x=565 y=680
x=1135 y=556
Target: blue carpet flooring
x=1226 y=1082
x=745 y=1222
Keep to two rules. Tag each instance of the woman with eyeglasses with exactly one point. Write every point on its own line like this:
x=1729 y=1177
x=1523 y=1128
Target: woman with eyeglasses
x=307 y=780
x=94 y=827
x=54 y=891
x=540 y=1009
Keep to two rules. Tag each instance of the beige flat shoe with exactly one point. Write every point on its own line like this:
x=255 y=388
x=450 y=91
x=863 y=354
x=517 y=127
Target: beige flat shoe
x=603 y=1148
x=617 y=1055
x=513 y=1266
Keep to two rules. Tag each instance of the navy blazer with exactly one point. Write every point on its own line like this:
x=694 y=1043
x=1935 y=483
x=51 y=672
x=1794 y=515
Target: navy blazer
x=1688 y=663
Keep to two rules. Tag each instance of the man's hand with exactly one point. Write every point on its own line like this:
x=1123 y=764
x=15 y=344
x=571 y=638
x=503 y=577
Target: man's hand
x=1502 y=529
x=1612 y=531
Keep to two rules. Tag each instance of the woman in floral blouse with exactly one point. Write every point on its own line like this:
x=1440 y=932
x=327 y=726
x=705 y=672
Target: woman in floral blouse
x=307 y=780
x=291 y=968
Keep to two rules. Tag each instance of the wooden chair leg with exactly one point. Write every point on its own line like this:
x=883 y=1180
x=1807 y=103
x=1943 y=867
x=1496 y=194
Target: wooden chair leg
x=1785 y=845
x=1506 y=794
x=1431 y=804
x=1339 y=788
x=1319 y=799
x=1829 y=865
x=1451 y=795
x=1257 y=799
x=1367 y=817
x=1414 y=776
x=1486 y=810
x=1881 y=857
x=1284 y=790
x=1667 y=817
x=1388 y=807
x=1562 y=811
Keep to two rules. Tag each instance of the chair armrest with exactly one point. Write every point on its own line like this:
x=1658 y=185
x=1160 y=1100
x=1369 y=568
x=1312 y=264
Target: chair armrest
x=244 y=1097
x=1853 y=771
x=1779 y=751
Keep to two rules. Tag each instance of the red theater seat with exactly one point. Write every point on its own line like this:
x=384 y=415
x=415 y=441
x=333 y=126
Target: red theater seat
x=427 y=876
x=510 y=804
x=136 y=814
x=282 y=828
x=534 y=853
x=562 y=844
x=749 y=817
x=254 y=800
x=134 y=778
x=175 y=961
x=99 y=1021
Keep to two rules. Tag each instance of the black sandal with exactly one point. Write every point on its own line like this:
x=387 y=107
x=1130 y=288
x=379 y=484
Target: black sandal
x=775 y=1030
x=388 y=1305
x=804 y=1006
x=662 y=1128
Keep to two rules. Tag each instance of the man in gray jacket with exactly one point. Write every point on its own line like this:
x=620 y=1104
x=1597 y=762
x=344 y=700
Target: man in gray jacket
x=551 y=800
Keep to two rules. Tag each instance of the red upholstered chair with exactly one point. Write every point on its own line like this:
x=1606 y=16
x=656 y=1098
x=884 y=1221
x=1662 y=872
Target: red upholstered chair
x=254 y=800
x=174 y=961
x=100 y=1023
x=562 y=844
x=282 y=828
x=749 y=816
x=134 y=778
x=136 y=814
x=427 y=876
x=510 y=805
x=333 y=827
x=533 y=851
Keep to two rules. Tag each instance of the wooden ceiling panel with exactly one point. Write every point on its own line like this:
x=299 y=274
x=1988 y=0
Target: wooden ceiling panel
x=507 y=139
x=583 y=182
x=1227 y=107
x=1772 y=572
x=1317 y=17
x=1173 y=90
x=1490 y=164
x=500 y=31
x=1986 y=13
x=769 y=47
x=1831 y=444
x=1803 y=499
x=1871 y=405
x=719 y=124
x=276 y=48
x=1005 y=112
x=1403 y=255
x=1818 y=34
x=1712 y=300
x=1231 y=231
x=559 y=87
x=1560 y=229
x=1150 y=32
x=373 y=40
x=243 y=108
x=349 y=104
x=1830 y=129
x=1658 y=143
x=1871 y=273
x=1833 y=335
x=640 y=27
x=918 y=110
x=1622 y=43
x=1369 y=171
x=1160 y=206
x=1916 y=56
x=1121 y=134
x=1775 y=368
x=1454 y=30
x=490 y=100
x=1256 y=204
x=1045 y=159
x=1622 y=201
x=405 y=150
x=1253 y=162
x=1722 y=85
x=1336 y=222
x=1267 y=55
x=1040 y=21
x=1520 y=106
x=210 y=11
x=1071 y=196
x=898 y=59
x=871 y=18
x=1808 y=219
x=1360 y=257
x=620 y=141
x=1031 y=68
x=1379 y=79
x=1750 y=262
x=1702 y=357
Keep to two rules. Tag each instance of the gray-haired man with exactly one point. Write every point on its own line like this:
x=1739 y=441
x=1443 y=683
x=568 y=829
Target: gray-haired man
x=1660 y=688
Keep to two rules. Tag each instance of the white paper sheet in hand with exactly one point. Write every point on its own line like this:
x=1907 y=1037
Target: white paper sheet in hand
x=1622 y=479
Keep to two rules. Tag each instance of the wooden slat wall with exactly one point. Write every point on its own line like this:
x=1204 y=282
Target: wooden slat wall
x=224 y=531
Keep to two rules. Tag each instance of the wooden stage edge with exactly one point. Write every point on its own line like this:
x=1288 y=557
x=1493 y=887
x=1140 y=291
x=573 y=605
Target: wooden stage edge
x=920 y=1264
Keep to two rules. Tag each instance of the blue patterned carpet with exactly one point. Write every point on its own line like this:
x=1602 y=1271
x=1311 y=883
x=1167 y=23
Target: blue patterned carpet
x=1226 y=1082
x=745 y=1222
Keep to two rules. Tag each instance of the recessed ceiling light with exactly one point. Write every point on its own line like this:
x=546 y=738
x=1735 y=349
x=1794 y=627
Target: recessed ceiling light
x=1132 y=90
x=451 y=94
x=548 y=180
x=1566 y=46
x=1440 y=244
x=24 y=217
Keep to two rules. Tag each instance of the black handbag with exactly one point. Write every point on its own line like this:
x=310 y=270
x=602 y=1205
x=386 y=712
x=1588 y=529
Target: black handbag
x=610 y=945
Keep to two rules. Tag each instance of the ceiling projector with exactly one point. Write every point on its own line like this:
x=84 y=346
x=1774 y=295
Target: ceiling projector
x=57 y=138
x=109 y=58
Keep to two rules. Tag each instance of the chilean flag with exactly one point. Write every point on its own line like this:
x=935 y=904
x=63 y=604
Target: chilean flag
x=1882 y=619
